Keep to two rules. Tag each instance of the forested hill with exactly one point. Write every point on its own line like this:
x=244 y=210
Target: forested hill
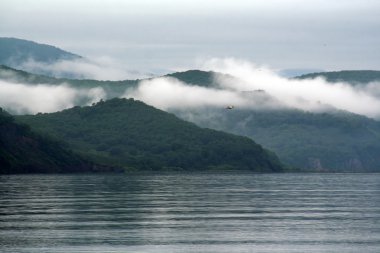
x=134 y=135
x=332 y=142
x=14 y=52
x=22 y=151
x=353 y=76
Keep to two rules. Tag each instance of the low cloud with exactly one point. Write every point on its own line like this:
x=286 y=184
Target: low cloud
x=248 y=86
x=242 y=84
x=25 y=99
x=102 y=68
x=310 y=94
x=169 y=93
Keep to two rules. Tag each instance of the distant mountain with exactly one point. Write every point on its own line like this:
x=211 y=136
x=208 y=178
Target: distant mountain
x=14 y=52
x=23 y=151
x=349 y=76
x=133 y=135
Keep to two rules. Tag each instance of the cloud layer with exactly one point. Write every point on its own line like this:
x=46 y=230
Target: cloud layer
x=311 y=94
x=170 y=93
x=103 y=68
x=248 y=86
x=243 y=85
x=25 y=99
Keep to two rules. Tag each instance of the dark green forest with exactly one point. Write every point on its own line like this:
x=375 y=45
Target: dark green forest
x=135 y=136
x=23 y=151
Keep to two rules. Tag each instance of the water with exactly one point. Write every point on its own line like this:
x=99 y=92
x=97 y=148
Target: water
x=200 y=212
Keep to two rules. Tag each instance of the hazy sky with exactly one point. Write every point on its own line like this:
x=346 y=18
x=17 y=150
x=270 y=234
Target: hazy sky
x=174 y=34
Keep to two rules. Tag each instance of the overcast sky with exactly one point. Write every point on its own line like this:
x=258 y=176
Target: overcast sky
x=174 y=34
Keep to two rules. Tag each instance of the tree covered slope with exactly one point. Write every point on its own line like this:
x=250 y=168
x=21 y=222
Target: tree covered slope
x=23 y=151
x=134 y=135
x=337 y=142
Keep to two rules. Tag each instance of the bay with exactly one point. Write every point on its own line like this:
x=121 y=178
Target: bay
x=190 y=212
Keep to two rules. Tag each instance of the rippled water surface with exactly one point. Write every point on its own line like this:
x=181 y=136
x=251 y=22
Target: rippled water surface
x=200 y=212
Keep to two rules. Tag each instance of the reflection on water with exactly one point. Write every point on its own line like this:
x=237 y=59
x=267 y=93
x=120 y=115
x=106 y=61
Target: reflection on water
x=199 y=212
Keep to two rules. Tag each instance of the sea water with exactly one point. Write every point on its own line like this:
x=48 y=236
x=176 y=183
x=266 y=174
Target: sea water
x=190 y=212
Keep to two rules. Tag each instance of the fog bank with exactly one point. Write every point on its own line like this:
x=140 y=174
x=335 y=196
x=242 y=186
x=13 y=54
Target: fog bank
x=31 y=99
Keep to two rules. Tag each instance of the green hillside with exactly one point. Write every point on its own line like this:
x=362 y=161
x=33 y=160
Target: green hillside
x=14 y=51
x=23 y=151
x=336 y=141
x=353 y=76
x=134 y=135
